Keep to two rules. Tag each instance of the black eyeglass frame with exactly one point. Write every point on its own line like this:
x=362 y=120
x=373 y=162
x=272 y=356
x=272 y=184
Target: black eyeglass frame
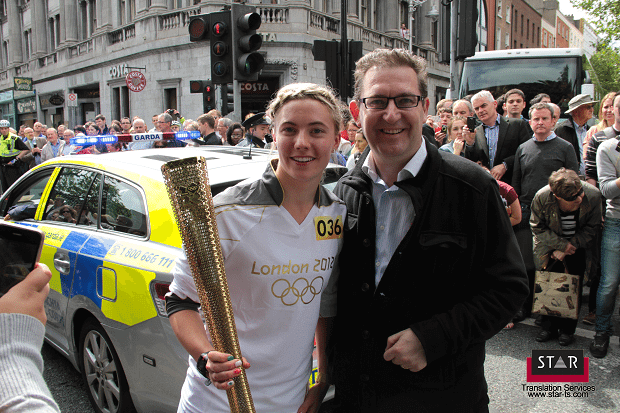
x=386 y=101
x=573 y=197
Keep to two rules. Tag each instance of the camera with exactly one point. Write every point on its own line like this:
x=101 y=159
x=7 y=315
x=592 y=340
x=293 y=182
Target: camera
x=171 y=113
x=471 y=123
x=444 y=129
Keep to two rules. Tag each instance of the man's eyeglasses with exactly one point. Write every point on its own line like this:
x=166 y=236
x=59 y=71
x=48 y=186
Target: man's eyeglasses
x=573 y=197
x=401 y=102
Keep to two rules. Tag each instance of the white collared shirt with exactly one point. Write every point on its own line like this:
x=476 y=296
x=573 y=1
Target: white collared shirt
x=394 y=212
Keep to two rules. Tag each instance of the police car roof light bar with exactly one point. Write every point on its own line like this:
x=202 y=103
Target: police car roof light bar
x=134 y=137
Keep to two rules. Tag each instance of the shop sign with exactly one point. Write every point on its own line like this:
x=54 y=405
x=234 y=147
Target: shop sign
x=26 y=106
x=266 y=87
x=22 y=83
x=119 y=70
x=6 y=96
x=57 y=100
x=136 y=82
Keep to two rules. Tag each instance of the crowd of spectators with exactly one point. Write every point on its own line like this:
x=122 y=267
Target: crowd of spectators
x=521 y=153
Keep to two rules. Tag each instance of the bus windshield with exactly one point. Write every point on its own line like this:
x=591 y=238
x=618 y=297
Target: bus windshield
x=556 y=76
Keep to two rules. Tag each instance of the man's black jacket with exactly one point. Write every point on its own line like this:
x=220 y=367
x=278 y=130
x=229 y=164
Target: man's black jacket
x=456 y=279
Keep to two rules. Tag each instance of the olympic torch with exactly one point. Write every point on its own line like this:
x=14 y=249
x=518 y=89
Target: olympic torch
x=190 y=194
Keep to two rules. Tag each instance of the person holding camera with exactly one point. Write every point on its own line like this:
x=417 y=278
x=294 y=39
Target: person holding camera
x=22 y=327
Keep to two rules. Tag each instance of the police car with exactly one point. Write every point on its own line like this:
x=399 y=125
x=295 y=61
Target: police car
x=111 y=242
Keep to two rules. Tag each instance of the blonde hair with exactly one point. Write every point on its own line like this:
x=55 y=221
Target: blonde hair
x=602 y=124
x=299 y=91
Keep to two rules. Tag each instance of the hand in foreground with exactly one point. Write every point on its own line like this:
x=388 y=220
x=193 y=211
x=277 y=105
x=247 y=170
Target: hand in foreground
x=498 y=171
x=28 y=296
x=223 y=368
x=458 y=146
x=439 y=137
x=558 y=255
x=405 y=349
x=570 y=249
x=314 y=398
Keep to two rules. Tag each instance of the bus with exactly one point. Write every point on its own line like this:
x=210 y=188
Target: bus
x=556 y=72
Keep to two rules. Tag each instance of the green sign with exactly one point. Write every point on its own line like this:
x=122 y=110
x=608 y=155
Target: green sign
x=22 y=83
x=28 y=105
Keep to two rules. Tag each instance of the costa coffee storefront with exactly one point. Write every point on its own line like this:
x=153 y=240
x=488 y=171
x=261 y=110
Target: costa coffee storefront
x=255 y=96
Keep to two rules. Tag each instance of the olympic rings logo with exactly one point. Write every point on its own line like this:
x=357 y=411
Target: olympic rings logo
x=301 y=289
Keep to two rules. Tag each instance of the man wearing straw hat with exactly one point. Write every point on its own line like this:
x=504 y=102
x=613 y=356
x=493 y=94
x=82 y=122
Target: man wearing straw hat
x=580 y=109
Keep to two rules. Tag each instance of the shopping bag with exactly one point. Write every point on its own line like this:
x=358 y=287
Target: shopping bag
x=556 y=294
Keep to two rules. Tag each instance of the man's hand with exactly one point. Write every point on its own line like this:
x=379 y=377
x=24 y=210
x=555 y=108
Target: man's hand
x=28 y=296
x=570 y=249
x=439 y=137
x=314 y=398
x=498 y=171
x=405 y=349
x=558 y=255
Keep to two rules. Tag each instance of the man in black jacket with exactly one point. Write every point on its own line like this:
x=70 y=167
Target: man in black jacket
x=430 y=268
x=497 y=139
x=206 y=125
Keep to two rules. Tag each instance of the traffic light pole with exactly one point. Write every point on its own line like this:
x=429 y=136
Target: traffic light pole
x=453 y=23
x=344 y=52
x=237 y=101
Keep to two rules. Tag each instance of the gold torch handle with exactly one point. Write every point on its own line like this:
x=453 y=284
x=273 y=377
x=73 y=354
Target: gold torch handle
x=188 y=187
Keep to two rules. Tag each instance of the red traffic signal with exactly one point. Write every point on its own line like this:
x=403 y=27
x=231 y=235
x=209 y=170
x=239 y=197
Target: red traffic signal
x=221 y=54
x=200 y=86
x=199 y=28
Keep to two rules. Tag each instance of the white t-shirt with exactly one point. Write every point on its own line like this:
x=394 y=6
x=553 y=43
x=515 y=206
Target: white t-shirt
x=276 y=271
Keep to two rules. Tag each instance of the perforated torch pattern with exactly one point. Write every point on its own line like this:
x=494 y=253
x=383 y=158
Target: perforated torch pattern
x=188 y=187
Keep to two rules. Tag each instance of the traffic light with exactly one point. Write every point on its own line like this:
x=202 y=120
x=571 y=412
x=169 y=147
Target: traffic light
x=228 y=104
x=328 y=51
x=208 y=93
x=446 y=32
x=199 y=28
x=246 y=42
x=355 y=53
x=197 y=86
x=467 y=38
x=221 y=54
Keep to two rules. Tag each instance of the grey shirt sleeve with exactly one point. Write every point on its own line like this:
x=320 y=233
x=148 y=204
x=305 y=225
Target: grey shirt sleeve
x=607 y=164
x=22 y=388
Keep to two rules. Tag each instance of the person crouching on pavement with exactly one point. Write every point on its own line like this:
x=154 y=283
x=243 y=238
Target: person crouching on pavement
x=565 y=219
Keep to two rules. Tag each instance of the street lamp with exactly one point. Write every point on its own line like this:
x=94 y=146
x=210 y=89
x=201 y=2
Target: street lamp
x=413 y=4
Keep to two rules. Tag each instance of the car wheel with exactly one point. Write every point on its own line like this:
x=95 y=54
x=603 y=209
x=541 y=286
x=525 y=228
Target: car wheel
x=102 y=371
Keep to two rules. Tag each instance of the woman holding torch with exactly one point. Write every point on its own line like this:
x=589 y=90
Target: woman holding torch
x=280 y=237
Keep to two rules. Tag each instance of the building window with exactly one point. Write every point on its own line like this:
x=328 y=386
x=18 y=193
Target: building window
x=498 y=39
x=508 y=14
x=507 y=41
x=521 y=25
x=481 y=27
x=499 y=8
x=364 y=16
x=527 y=29
x=28 y=42
x=120 y=102
x=544 y=41
x=170 y=98
x=516 y=19
x=5 y=52
x=54 y=28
